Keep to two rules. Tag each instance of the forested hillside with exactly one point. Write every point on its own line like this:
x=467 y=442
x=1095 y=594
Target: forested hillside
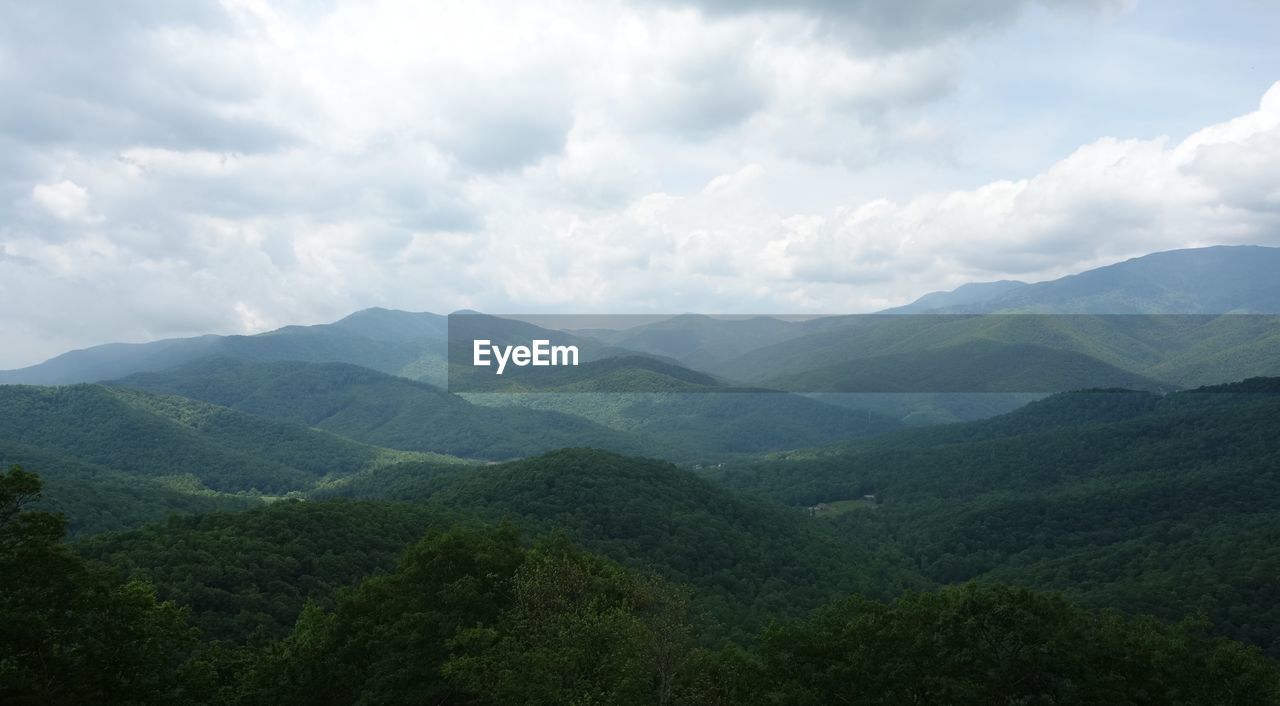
x=476 y=616
x=1014 y=352
x=750 y=560
x=381 y=409
x=159 y=436
x=396 y=413
x=117 y=459
x=97 y=499
x=1130 y=500
x=246 y=576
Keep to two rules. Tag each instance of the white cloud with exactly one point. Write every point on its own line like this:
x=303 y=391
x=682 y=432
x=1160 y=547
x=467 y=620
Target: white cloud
x=726 y=249
x=175 y=169
x=66 y=200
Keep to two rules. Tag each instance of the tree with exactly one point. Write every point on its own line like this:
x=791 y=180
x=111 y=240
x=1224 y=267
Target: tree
x=978 y=644
x=579 y=630
x=69 y=633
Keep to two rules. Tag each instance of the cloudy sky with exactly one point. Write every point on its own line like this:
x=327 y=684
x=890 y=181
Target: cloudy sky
x=173 y=168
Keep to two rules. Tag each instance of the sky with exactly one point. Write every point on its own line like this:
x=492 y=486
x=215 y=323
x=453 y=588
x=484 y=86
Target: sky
x=174 y=168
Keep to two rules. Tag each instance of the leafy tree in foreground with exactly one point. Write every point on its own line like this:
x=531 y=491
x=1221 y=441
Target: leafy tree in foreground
x=69 y=633
x=977 y=644
x=580 y=630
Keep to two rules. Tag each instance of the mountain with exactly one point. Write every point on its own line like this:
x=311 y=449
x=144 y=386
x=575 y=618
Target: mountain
x=395 y=342
x=1051 y=352
x=752 y=560
x=167 y=437
x=1213 y=280
x=396 y=413
x=380 y=409
x=981 y=366
x=597 y=366
x=702 y=427
x=621 y=373
x=1149 y=503
x=972 y=295
x=743 y=554
x=698 y=341
x=96 y=498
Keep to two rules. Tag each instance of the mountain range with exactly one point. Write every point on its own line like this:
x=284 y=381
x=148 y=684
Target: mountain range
x=1206 y=281
x=1222 y=279
x=964 y=354
x=308 y=516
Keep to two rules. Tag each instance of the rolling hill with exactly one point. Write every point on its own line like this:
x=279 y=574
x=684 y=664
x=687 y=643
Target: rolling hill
x=395 y=342
x=1047 y=352
x=750 y=560
x=396 y=413
x=167 y=437
x=380 y=409
x=97 y=499
x=1149 y=503
x=741 y=553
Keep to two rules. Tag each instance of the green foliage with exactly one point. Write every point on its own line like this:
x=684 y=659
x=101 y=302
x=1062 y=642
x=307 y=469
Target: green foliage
x=1013 y=353
x=246 y=576
x=974 y=366
x=578 y=630
x=749 y=560
x=472 y=616
x=156 y=436
x=708 y=425
x=1149 y=504
x=68 y=632
x=996 y=645
x=396 y=413
x=380 y=409
x=387 y=641
x=97 y=499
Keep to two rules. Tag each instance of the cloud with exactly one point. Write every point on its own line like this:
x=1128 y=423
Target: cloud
x=726 y=249
x=66 y=200
x=874 y=26
x=178 y=168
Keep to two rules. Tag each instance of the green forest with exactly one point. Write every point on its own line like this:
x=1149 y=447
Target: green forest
x=234 y=530
x=480 y=615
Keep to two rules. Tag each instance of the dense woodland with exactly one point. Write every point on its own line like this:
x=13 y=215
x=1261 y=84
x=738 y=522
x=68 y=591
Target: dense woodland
x=1151 y=504
x=478 y=616
x=243 y=530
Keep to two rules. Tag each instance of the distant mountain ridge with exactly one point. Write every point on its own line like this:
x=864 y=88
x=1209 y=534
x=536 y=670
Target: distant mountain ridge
x=379 y=409
x=409 y=344
x=765 y=350
x=1221 y=279
x=389 y=411
x=969 y=294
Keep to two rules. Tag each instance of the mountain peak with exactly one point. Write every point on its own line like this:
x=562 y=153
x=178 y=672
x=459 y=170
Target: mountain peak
x=970 y=294
x=1217 y=279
